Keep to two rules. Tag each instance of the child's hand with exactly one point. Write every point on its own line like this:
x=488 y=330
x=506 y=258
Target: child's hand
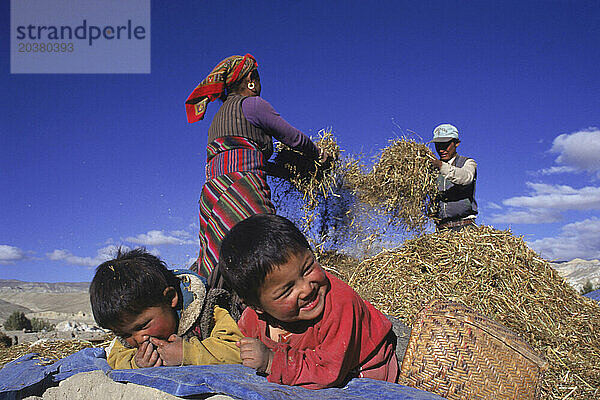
x=146 y=356
x=170 y=350
x=255 y=354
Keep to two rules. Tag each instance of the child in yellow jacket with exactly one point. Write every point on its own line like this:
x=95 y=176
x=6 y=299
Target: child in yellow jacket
x=160 y=316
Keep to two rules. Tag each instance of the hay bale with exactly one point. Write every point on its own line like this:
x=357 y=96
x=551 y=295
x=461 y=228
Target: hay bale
x=496 y=274
x=402 y=184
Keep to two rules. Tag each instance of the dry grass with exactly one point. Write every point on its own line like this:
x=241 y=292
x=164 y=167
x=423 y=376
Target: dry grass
x=402 y=184
x=496 y=274
x=396 y=194
x=311 y=178
x=48 y=351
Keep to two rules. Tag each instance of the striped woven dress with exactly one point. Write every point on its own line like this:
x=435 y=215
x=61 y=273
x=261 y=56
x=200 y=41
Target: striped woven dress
x=240 y=141
x=236 y=185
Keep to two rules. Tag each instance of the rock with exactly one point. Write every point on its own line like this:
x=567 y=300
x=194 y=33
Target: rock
x=74 y=326
x=96 y=385
x=577 y=272
x=28 y=337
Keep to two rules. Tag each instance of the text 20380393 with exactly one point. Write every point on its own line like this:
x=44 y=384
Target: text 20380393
x=43 y=47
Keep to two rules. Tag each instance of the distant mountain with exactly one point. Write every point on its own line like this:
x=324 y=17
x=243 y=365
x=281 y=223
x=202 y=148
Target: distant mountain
x=577 y=272
x=7 y=308
x=52 y=302
x=40 y=298
x=12 y=285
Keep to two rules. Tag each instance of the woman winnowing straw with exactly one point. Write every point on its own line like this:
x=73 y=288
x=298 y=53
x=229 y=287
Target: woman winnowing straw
x=240 y=141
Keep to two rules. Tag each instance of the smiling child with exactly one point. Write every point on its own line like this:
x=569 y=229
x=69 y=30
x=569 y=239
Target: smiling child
x=304 y=326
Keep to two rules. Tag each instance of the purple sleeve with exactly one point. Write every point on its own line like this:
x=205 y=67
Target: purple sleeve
x=261 y=114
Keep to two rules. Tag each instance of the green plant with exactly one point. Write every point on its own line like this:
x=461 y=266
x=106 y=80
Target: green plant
x=17 y=321
x=587 y=287
x=40 y=325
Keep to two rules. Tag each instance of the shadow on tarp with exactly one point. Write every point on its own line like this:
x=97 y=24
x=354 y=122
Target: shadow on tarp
x=27 y=376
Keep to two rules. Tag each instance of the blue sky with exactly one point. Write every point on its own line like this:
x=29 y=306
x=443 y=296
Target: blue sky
x=91 y=161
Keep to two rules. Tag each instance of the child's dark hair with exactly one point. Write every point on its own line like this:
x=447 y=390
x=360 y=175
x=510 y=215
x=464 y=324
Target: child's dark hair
x=253 y=247
x=134 y=281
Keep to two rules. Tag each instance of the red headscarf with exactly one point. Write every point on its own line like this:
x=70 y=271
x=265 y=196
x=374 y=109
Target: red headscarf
x=227 y=72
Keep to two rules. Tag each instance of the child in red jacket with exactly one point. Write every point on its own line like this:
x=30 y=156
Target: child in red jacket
x=305 y=326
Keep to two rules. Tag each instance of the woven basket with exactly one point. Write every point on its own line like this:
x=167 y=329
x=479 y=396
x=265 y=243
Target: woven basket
x=459 y=354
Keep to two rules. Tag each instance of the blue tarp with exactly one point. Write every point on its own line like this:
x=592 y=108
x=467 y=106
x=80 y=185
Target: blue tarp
x=27 y=376
x=595 y=295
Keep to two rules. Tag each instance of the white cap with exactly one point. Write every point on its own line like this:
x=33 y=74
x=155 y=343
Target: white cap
x=444 y=133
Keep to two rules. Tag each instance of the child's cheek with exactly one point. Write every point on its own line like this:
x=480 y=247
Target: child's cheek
x=320 y=274
x=319 y=270
x=289 y=306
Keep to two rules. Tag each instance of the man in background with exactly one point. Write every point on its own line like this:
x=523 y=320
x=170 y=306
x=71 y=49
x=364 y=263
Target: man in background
x=456 y=181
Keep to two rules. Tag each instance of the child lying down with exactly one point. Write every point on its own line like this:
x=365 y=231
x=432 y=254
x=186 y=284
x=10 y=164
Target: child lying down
x=303 y=325
x=159 y=315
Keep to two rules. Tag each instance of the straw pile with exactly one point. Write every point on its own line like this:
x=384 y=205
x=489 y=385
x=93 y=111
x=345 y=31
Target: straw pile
x=346 y=200
x=496 y=274
x=311 y=178
x=48 y=351
x=402 y=184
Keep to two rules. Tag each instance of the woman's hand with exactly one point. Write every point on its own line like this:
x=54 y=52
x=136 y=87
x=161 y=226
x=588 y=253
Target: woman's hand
x=277 y=170
x=255 y=354
x=147 y=356
x=170 y=350
x=324 y=156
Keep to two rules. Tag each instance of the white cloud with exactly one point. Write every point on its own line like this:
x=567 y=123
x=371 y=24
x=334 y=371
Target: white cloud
x=578 y=151
x=103 y=254
x=557 y=170
x=157 y=238
x=180 y=233
x=11 y=254
x=530 y=216
x=559 y=197
x=494 y=206
x=579 y=239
